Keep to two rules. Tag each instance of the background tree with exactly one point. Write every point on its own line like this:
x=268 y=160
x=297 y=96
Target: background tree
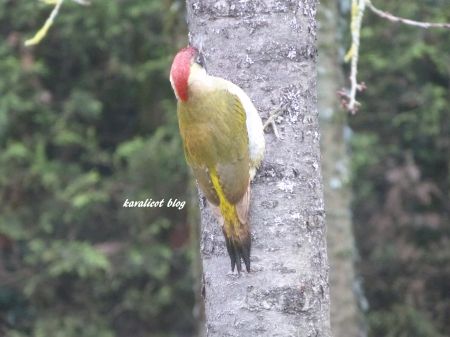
x=346 y=315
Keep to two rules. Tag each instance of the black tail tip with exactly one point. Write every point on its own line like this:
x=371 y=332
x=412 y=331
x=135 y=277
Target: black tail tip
x=239 y=247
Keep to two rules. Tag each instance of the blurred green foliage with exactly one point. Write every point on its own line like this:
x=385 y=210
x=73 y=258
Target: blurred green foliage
x=401 y=170
x=87 y=120
x=401 y=321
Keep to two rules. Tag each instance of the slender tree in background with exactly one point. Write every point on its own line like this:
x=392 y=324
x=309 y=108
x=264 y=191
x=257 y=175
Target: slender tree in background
x=346 y=316
x=268 y=49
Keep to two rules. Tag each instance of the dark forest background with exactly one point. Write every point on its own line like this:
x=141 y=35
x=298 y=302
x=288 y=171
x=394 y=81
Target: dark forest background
x=88 y=120
x=401 y=171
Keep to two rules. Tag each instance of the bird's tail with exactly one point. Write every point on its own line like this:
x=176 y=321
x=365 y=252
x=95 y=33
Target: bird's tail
x=234 y=220
x=238 y=240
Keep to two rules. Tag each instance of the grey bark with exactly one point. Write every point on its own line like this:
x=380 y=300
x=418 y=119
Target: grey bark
x=346 y=315
x=197 y=270
x=267 y=47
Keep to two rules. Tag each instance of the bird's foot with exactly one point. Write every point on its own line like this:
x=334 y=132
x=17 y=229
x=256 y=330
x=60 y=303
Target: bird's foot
x=271 y=121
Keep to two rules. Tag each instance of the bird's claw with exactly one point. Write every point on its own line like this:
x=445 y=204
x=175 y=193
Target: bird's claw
x=271 y=121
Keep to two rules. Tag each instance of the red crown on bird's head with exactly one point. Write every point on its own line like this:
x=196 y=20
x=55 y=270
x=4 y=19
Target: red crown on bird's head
x=179 y=73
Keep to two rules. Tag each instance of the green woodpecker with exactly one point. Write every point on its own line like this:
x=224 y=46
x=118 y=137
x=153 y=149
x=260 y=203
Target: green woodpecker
x=223 y=143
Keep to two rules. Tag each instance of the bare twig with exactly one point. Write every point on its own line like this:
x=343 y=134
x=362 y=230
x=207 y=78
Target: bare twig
x=82 y=2
x=393 y=18
x=348 y=100
x=345 y=98
x=358 y=7
x=43 y=31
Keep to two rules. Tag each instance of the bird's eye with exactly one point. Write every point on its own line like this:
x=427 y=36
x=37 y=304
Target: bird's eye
x=199 y=59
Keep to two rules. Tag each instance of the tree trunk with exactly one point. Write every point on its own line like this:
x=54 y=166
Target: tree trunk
x=346 y=316
x=268 y=49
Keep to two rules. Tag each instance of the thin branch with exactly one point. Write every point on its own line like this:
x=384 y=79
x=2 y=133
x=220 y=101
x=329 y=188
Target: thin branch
x=82 y=2
x=352 y=105
x=43 y=31
x=348 y=100
x=393 y=18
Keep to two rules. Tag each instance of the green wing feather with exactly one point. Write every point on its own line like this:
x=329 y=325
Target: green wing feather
x=215 y=135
